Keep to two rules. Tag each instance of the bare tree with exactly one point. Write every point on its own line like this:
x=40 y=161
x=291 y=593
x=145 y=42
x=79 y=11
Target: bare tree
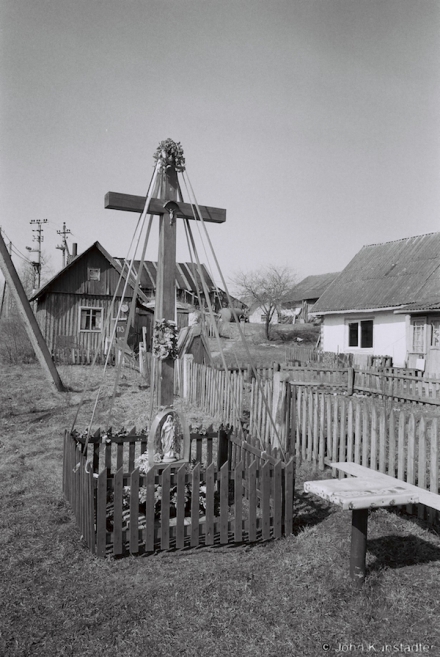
x=267 y=287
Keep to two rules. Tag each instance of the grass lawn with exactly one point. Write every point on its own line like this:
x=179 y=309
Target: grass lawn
x=282 y=598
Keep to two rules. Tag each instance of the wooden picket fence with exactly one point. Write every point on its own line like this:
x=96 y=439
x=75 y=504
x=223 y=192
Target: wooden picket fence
x=247 y=498
x=217 y=392
x=398 y=384
x=334 y=428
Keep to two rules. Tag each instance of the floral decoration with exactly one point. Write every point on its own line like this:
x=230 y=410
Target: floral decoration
x=142 y=463
x=165 y=339
x=170 y=153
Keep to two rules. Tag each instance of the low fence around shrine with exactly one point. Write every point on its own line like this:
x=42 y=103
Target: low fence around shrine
x=246 y=498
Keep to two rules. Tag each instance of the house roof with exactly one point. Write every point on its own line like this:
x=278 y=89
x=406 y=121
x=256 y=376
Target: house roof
x=311 y=287
x=96 y=245
x=187 y=275
x=388 y=275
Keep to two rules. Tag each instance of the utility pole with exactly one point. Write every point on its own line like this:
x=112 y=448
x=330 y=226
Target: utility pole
x=36 y=264
x=63 y=246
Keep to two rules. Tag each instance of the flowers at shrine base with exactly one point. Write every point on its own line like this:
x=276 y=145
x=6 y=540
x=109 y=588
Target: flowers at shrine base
x=165 y=339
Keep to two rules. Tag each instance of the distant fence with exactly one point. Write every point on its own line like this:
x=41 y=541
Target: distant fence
x=246 y=496
x=218 y=392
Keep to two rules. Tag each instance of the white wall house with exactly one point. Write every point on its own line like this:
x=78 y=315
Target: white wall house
x=386 y=302
x=373 y=333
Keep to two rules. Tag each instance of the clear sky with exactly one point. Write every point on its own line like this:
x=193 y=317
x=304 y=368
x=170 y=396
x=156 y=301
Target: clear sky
x=315 y=123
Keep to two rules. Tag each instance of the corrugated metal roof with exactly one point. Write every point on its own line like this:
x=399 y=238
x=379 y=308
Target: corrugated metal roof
x=311 y=287
x=385 y=275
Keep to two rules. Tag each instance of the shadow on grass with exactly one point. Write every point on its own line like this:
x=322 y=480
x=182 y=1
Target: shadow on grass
x=309 y=511
x=400 y=551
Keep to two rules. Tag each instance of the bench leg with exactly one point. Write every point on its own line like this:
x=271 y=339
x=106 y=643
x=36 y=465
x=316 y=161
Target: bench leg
x=359 y=529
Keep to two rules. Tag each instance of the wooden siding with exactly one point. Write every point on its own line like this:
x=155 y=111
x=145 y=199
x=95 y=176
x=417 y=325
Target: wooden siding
x=74 y=279
x=58 y=315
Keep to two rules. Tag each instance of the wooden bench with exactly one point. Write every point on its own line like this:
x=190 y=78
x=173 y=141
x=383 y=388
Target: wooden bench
x=366 y=489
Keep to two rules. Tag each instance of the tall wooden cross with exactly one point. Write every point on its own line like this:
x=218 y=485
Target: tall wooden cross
x=168 y=205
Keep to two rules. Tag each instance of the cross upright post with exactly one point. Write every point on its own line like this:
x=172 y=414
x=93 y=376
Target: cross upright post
x=168 y=205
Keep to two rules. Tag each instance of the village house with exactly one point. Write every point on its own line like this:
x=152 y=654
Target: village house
x=386 y=302
x=73 y=307
x=304 y=295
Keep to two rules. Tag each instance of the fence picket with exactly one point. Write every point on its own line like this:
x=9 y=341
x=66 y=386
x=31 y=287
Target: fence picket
x=180 y=507
x=224 y=500
x=150 y=511
x=357 y=434
x=134 y=511
x=238 y=502
x=165 y=509
x=410 y=455
x=321 y=444
x=117 y=511
x=350 y=431
x=373 y=444
x=434 y=466
x=392 y=445
x=382 y=441
x=421 y=470
x=265 y=472
x=101 y=530
x=252 y=496
x=195 y=493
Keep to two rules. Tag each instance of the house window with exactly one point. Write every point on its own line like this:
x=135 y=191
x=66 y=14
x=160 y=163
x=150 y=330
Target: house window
x=435 y=333
x=360 y=334
x=418 y=335
x=93 y=274
x=90 y=319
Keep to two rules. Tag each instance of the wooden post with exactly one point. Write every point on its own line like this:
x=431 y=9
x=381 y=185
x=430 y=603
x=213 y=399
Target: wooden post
x=30 y=323
x=359 y=530
x=350 y=383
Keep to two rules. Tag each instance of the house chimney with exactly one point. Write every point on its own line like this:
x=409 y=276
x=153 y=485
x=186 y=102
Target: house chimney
x=74 y=250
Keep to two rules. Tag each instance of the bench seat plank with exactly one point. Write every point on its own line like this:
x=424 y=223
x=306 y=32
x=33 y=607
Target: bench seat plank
x=427 y=498
x=360 y=493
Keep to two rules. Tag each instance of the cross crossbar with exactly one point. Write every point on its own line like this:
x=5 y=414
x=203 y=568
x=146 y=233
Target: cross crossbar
x=131 y=203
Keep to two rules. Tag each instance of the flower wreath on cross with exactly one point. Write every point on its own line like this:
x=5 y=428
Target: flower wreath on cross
x=165 y=339
x=170 y=153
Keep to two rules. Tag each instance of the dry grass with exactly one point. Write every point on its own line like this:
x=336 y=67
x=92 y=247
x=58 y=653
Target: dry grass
x=283 y=598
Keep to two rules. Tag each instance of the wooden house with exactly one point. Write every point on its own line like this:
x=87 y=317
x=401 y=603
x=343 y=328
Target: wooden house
x=386 y=302
x=73 y=307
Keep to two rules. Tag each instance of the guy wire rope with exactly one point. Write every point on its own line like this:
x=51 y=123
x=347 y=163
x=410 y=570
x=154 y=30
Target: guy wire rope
x=236 y=409
x=217 y=335
x=136 y=286
x=212 y=315
x=257 y=377
x=141 y=219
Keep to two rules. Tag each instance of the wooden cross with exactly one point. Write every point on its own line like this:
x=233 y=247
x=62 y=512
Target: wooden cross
x=168 y=205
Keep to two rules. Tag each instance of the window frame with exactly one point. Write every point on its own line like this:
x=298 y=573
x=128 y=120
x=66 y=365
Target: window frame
x=90 y=308
x=431 y=324
x=93 y=269
x=415 y=321
x=359 y=321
